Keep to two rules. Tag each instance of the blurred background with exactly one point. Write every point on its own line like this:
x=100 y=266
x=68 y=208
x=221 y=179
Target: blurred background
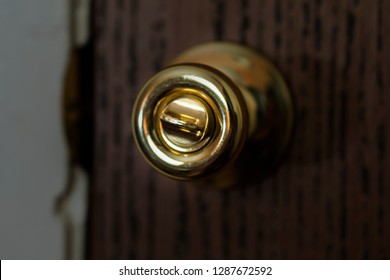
x=34 y=166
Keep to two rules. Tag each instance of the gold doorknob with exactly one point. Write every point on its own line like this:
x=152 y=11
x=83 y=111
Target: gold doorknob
x=219 y=109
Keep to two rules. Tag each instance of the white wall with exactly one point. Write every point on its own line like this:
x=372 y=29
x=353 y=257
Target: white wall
x=33 y=48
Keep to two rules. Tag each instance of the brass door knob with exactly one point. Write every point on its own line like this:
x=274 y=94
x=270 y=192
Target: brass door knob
x=214 y=102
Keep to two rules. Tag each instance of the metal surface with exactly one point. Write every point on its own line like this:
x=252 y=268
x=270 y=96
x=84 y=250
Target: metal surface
x=186 y=121
x=194 y=118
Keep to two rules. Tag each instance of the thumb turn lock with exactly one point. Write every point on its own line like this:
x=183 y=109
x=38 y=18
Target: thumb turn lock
x=219 y=111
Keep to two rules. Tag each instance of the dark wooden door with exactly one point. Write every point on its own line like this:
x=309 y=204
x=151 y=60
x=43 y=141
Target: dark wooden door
x=330 y=198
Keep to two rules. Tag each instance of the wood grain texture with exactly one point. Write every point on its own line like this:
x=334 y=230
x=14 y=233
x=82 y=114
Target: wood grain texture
x=331 y=197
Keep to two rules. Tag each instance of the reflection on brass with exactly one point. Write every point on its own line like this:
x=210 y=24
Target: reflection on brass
x=220 y=112
x=186 y=121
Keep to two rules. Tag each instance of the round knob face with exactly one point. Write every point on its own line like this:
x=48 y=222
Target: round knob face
x=186 y=122
x=190 y=121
